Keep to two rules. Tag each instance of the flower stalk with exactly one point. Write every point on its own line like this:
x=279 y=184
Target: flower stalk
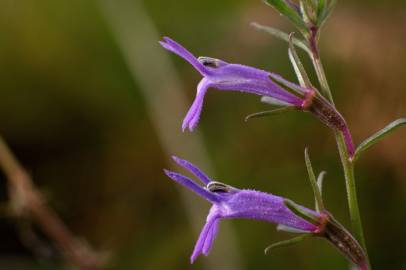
x=346 y=155
x=313 y=16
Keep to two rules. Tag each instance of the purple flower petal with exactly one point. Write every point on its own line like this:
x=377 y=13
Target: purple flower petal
x=260 y=87
x=210 y=237
x=192 y=117
x=206 y=238
x=263 y=206
x=193 y=169
x=181 y=51
x=190 y=184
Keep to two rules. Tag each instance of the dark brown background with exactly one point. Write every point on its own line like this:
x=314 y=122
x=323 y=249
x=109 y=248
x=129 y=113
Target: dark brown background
x=75 y=112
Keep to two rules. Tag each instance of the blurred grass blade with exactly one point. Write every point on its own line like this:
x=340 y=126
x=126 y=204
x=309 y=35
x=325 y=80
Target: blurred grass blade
x=378 y=136
x=270 y=113
x=297 y=65
x=300 y=211
x=137 y=39
x=290 y=11
x=320 y=179
x=312 y=177
x=281 y=35
x=286 y=243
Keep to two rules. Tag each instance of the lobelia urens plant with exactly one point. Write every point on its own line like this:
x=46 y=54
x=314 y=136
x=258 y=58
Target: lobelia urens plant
x=308 y=16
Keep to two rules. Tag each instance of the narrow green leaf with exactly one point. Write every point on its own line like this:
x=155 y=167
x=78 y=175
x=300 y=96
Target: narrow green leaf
x=286 y=243
x=321 y=4
x=274 y=101
x=320 y=179
x=288 y=11
x=270 y=112
x=300 y=211
x=300 y=71
x=310 y=4
x=285 y=228
x=291 y=87
x=325 y=12
x=378 y=136
x=281 y=35
x=309 y=11
x=316 y=191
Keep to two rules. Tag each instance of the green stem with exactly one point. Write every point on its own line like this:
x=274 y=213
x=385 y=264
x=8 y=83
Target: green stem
x=348 y=167
x=347 y=164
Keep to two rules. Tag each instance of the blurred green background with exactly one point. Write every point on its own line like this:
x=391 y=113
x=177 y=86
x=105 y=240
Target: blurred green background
x=94 y=120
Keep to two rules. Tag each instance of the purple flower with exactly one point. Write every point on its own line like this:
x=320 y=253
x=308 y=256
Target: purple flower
x=224 y=76
x=230 y=202
x=235 y=77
